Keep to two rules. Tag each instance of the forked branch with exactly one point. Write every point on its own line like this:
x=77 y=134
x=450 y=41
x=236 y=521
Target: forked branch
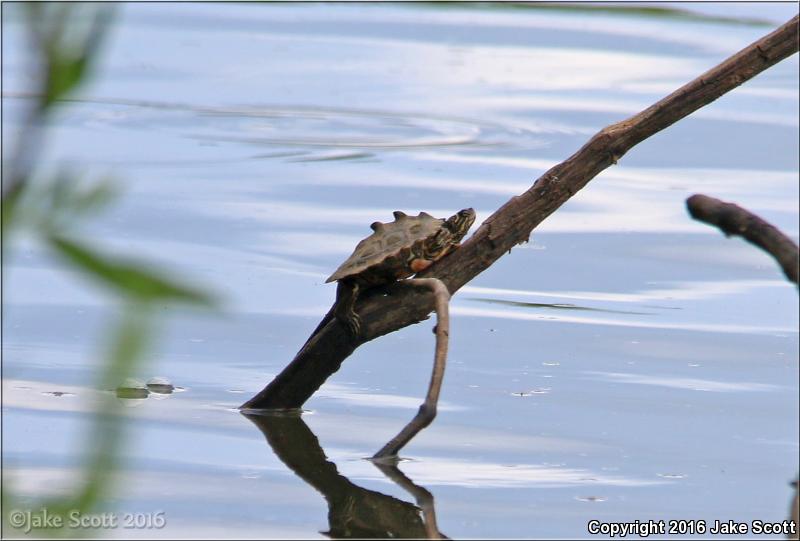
x=513 y=222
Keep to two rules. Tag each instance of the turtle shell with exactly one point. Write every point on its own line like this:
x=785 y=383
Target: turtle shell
x=386 y=255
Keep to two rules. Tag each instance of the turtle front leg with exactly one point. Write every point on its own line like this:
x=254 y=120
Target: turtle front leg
x=346 y=295
x=427 y=411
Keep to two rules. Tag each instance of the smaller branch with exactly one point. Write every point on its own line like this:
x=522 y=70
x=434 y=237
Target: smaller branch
x=734 y=220
x=427 y=411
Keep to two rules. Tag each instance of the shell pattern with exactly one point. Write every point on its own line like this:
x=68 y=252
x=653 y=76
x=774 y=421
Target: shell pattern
x=385 y=255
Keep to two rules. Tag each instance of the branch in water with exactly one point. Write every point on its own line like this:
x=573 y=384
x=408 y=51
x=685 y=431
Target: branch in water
x=512 y=224
x=734 y=220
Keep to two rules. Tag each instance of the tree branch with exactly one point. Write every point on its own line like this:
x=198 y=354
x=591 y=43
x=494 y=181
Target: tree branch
x=734 y=220
x=513 y=222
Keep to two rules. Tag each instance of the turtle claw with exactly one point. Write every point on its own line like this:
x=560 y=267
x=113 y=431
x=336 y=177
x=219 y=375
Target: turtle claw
x=346 y=294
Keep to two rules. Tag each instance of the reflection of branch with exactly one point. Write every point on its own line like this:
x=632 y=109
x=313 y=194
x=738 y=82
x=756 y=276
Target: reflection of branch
x=353 y=511
x=422 y=496
x=514 y=221
x=734 y=220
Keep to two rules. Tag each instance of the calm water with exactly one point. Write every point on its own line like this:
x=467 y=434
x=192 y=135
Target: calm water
x=626 y=364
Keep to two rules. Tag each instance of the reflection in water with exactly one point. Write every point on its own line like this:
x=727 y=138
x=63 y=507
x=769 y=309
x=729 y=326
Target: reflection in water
x=694 y=384
x=672 y=291
x=353 y=511
x=335 y=156
x=556 y=306
x=328 y=127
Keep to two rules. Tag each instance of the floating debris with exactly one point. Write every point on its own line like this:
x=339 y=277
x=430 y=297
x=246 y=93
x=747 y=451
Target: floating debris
x=591 y=498
x=57 y=393
x=160 y=385
x=131 y=389
x=539 y=390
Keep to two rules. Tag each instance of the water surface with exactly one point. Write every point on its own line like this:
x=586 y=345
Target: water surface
x=627 y=363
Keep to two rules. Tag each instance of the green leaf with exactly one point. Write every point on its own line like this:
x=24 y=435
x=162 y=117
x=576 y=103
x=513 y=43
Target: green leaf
x=64 y=74
x=9 y=207
x=94 y=197
x=68 y=38
x=67 y=196
x=127 y=278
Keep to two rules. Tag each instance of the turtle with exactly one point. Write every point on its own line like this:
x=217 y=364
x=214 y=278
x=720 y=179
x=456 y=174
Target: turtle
x=395 y=250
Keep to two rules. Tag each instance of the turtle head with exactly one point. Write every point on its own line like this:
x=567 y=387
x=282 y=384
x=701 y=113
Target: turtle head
x=459 y=223
x=452 y=231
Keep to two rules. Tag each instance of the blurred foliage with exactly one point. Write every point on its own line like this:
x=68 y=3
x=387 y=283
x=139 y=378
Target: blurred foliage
x=50 y=208
x=68 y=37
x=55 y=204
x=126 y=278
